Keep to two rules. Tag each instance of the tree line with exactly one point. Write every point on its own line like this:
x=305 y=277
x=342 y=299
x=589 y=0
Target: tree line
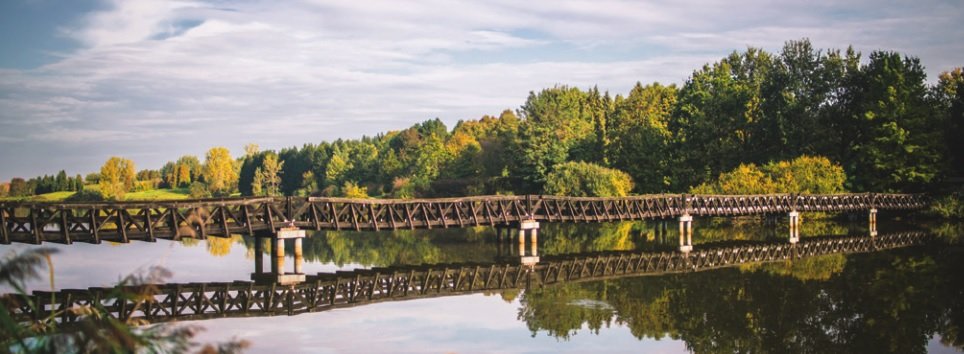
x=822 y=118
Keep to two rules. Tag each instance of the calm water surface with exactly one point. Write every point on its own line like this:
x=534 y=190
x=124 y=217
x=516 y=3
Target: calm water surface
x=908 y=300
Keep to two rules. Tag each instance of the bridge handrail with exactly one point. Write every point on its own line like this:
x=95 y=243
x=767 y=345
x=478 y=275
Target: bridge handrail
x=184 y=203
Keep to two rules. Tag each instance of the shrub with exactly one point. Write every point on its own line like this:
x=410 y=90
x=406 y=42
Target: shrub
x=199 y=190
x=86 y=195
x=583 y=179
x=352 y=190
x=948 y=207
x=805 y=174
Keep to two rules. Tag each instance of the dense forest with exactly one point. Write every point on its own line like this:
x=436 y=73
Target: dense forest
x=803 y=120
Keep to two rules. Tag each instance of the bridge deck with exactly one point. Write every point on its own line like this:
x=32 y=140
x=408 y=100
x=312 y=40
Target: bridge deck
x=37 y=222
x=325 y=291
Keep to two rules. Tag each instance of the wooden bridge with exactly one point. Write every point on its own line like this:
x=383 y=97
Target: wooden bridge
x=37 y=222
x=325 y=291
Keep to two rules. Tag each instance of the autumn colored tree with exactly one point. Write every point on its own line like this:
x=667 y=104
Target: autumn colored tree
x=583 y=179
x=219 y=172
x=117 y=177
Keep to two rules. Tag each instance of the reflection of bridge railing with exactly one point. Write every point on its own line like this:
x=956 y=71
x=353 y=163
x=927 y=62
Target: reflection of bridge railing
x=36 y=222
x=193 y=301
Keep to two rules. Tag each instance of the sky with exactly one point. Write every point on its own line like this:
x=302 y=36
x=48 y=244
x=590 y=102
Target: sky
x=151 y=80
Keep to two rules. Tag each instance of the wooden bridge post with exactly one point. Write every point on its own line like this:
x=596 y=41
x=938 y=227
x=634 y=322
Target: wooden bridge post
x=686 y=233
x=794 y=227
x=258 y=255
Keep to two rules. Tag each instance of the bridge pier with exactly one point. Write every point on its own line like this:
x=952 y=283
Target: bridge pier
x=686 y=233
x=873 y=222
x=525 y=257
x=277 y=274
x=795 y=220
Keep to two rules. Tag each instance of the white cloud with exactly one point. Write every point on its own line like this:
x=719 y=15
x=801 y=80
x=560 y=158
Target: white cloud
x=184 y=76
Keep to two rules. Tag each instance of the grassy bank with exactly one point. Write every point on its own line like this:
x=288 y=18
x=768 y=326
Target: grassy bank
x=155 y=194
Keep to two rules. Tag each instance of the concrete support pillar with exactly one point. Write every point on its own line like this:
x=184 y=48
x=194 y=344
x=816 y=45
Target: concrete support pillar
x=686 y=233
x=299 y=258
x=278 y=275
x=534 y=245
x=794 y=227
x=532 y=228
x=873 y=222
x=278 y=253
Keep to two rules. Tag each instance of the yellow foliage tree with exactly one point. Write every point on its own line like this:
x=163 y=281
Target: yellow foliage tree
x=352 y=190
x=805 y=174
x=118 y=176
x=219 y=172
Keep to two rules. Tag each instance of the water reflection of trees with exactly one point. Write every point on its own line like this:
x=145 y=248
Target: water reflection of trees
x=883 y=302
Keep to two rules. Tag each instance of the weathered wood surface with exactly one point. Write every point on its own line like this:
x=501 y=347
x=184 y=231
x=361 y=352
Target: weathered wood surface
x=37 y=222
x=325 y=291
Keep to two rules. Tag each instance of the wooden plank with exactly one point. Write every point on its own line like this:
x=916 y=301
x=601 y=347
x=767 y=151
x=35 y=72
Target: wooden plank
x=408 y=215
x=247 y=219
x=94 y=228
x=64 y=226
x=458 y=214
x=425 y=214
x=391 y=216
x=121 y=225
x=374 y=218
x=354 y=216
x=37 y=229
x=268 y=216
x=4 y=234
x=337 y=218
x=224 y=222
x=316 y=222
x=475 y=213
x=441 y=214
x=150 y=225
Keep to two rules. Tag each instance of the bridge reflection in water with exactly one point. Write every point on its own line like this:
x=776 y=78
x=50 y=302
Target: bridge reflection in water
x=514 y=269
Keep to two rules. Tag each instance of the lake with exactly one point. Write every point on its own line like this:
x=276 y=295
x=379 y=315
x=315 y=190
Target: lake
x=905 y=300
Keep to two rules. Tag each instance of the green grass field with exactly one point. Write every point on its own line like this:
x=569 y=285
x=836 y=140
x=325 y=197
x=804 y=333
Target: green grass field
x=156 y=194
x=159 y=194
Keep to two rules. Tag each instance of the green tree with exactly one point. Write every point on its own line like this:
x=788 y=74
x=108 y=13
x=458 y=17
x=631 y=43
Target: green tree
x=718 y=122
x=219 y=172
x=61 y=182
x=117 y=177
x=555 y=123
x=267 y=179
x=949 y=93
x=78 y=183
x=583 y=179
x=641 y=138
x=897 y=147
x=19 y=188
